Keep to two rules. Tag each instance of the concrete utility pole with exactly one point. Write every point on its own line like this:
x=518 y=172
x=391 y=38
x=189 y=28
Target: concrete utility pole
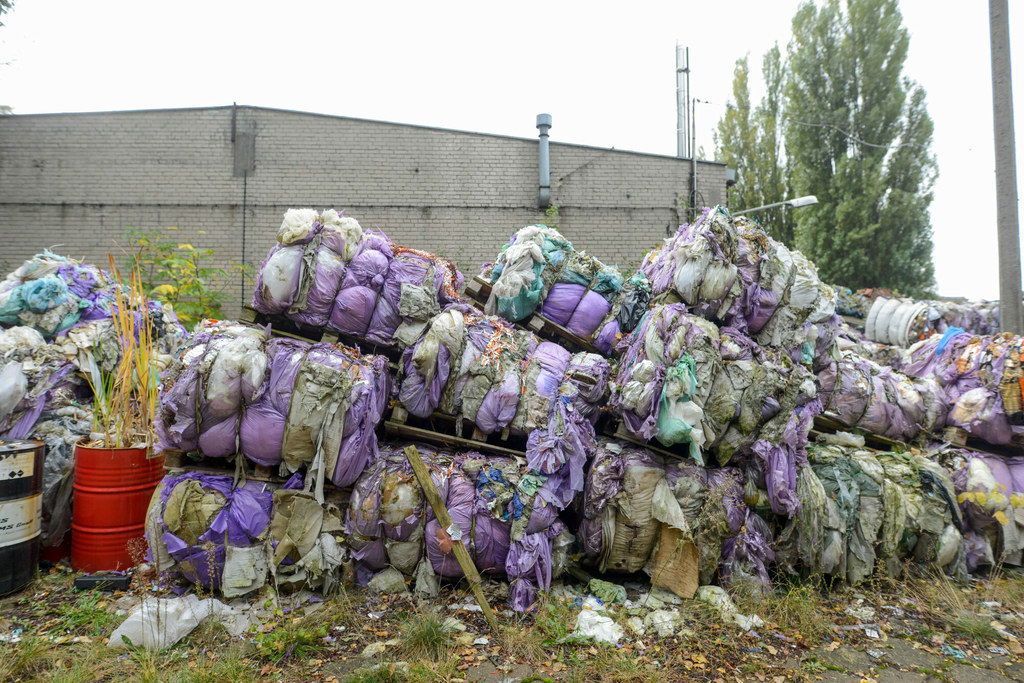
x=1011 y=314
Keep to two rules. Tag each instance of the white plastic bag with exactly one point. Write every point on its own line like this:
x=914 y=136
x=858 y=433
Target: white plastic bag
x=158 y=623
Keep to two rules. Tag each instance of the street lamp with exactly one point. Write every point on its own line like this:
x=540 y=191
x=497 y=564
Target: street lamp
x=809 y=200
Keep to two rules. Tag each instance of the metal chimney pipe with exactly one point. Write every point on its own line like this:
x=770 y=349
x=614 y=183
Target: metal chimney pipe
x=544 y=195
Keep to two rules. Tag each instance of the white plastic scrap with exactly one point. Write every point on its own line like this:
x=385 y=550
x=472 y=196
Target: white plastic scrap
x=159 y=623
x=720 y=600
x=590 y=624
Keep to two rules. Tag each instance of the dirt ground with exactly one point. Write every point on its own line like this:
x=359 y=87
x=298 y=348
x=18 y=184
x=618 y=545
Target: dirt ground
x=918 y=629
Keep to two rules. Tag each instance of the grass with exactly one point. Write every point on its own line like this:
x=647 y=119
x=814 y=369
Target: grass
x=975 y=627
x=796 y=607
x=425 y=637
x=22 y=660
x=87 y=615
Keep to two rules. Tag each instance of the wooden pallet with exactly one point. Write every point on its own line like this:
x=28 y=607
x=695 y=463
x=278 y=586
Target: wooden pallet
x=825 y=424
x=479 y=290
x=280 y=326
x=961 y=438
x=446 y=430
x=180 y=460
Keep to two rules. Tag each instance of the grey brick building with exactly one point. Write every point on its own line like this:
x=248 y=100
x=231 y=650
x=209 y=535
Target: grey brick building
x=224 y=175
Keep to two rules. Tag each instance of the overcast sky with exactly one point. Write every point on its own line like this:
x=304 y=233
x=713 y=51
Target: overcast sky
x=606 y=77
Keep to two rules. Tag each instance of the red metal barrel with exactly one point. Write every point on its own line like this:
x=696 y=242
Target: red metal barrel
x=112 y=491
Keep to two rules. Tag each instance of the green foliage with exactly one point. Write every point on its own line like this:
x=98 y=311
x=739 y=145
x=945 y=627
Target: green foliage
x=180 y=274
x=551 y=217
x=859 y=135
x=89 y=615
x=426 y=637
x=290 y=641
x=841 y=122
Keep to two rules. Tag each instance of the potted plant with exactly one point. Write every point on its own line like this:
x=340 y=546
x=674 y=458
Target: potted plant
x=116 y=472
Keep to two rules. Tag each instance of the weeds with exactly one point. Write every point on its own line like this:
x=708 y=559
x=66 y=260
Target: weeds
x=21 y=660
x=426 y=637
x=87 y=614
x=290 y=640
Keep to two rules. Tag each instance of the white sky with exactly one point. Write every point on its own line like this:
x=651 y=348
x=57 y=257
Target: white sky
x=606 y=76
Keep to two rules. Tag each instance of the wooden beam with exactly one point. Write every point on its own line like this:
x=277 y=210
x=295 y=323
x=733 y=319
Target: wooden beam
x=459 y=548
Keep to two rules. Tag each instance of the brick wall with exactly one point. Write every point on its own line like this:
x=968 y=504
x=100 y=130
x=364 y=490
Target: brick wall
x=78 y=182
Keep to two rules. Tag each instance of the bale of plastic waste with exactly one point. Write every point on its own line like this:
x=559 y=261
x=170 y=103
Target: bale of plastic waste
x=728 y=270
x=220 y=372
x=496 y=512
x=540 y=271
x=990 y=491
x=305 y=540
x=326 y=271
x=274 y=401
x=682 y=380
x=204 y=529
x=903 y=322
x=482 y=369
x=320 y=407
x=862 y=509
x=636 y=502
x=859 y=392
x=981 y=377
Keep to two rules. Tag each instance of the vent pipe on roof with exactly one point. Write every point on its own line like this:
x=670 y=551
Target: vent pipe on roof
x=544 y=195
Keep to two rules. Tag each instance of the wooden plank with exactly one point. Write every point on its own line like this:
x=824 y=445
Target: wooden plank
x=956 y=436
x=404 y=431
x=445 y=520
x=618 y=430
x=249 y=315
x=399 y=414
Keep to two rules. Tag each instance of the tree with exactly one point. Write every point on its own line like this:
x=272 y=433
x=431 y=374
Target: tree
x=750 y=141
x=851 y=130
x=858 y=136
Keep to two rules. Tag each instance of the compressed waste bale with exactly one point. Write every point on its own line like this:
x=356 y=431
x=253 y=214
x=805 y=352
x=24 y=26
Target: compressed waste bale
x=274 y=401
x=220 y=372
x=859 y=392
x=990 y=492
x=483 y=370
x=539 y=270
x=981 y=377
x=306 y=536
x=326 y=271
x=509 y=531
x=727 y=269
x=903 y=322
x=204 y=529
x=320 y=407
x=635 y=500
x=861 y=508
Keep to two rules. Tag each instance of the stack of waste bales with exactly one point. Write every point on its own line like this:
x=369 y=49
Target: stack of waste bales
x=726 y=269
x=903 y=322
x=981 y=376
x=540 y=271
x=327 y=272
x=57 y=342
x=681 y=379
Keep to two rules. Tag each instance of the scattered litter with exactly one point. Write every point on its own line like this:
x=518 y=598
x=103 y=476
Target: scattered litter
x=388 y=581
x=861 y=613
x=161 y=622
x=663 y=622
x=590 y=624
x=996 y=650
x=953 y=652
x=876 y=654
x=481 y=641
x=871 y=633
x=376 y=615
x=720 y=600
x=609 y=593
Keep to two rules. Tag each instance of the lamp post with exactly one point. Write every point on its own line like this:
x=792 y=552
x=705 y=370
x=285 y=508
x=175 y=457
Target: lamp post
x=809 y=200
